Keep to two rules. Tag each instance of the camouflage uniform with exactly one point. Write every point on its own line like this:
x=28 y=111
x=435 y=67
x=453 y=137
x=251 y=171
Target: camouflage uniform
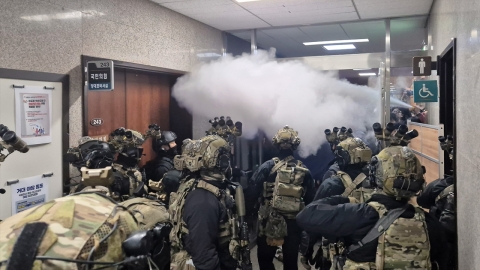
x=210 y=157
x=76 y=226
x=285 y=186
x=386 y=232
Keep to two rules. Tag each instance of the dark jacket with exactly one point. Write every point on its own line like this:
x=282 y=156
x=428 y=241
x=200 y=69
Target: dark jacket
x=427 y=198
x=333 y=185
x=335 y=217
x=262 y=174
x=203 y=213
x=156 y=168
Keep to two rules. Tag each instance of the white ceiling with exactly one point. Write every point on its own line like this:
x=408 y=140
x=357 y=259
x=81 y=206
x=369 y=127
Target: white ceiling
x=232 y=15
x=406 y=34
x=286 y=24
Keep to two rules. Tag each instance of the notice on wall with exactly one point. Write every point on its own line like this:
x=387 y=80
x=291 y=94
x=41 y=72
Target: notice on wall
x=33 y=114
x=29 y=192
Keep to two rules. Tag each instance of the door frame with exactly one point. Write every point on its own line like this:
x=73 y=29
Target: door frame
x=124 y=65
x=451 y=48
x=49 y=77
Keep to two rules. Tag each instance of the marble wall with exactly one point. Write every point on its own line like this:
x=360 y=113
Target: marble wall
x=461 y=19
x=51 y=35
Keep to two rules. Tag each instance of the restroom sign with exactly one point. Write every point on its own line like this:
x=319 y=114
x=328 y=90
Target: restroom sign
x=100 y=75
x=422 y=66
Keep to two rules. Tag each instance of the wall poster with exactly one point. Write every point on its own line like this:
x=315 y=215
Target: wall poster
x=33 y=114
x=29 y=192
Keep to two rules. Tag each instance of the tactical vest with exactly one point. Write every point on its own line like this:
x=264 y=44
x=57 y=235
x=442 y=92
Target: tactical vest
x=445 y=203
x=404 y=245
x=179 y=229
x=285 y=195
x=360 y=194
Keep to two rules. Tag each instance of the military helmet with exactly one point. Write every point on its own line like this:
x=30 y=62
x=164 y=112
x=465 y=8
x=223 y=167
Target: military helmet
x=87 y=227
x=398 y=172
x=286 y=138
x=166 y=138
x=209 y=152
x=352 y=151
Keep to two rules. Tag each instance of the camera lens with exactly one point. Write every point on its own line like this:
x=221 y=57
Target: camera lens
x=377 y=128
x=441 y=139
x=3 y=130
x=390 y=127
x=335 y=129
x=328 y=132
x=343 y=129
x=9 y=137
x=128 y=134
x=402 y=129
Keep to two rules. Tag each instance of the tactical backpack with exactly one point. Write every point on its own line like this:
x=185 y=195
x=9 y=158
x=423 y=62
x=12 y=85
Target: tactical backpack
x=180 y=258
x=287 y=191
x=148 y=213
x=445 y=202
x=84 y=226
x=402 y=242
x=361 y=194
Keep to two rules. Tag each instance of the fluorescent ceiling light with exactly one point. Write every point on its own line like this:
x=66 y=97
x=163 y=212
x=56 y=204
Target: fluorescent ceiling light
x=206 y=55
x=62 y=16
x=241 y=1
x=368 y=74
x=339 y=47
x=362 y=69
x=334 y=41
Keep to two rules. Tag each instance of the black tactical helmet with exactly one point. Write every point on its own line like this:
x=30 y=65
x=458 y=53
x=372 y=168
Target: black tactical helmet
x=167 y=137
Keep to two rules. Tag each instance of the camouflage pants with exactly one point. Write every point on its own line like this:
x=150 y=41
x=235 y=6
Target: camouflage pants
x=181 y=261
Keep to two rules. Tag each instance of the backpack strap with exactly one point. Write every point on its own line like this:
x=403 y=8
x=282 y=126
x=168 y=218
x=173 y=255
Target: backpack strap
x=380 y=227
x=445 y=192
x=353 y=185
x=279 y=163
x=209 y=187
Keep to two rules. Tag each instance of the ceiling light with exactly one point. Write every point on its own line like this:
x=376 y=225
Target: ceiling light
x=362 y=69
x=368 y=74
x=62 y=16
x=339 y=47
x=241 y=1
x=206 y=55
x=335 y=41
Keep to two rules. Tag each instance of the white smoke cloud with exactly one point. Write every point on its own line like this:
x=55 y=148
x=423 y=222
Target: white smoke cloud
x=266 y=95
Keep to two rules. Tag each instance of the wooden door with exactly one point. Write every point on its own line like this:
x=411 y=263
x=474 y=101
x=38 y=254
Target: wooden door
x=147 y=102
x=108 y=106
x=138 y=100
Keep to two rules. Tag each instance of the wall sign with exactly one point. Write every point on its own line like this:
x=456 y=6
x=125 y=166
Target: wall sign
x=100 y=75
x=96 y=122
x=33 y=114
x=425 y=91
x=29 y=192
x=422 y=66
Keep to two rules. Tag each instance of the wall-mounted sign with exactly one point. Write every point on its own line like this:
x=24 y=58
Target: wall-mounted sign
x=33 y=114
x=100 y=75
x=96 y=122
x=425 y=91
x=422 y=66
x=29 y=192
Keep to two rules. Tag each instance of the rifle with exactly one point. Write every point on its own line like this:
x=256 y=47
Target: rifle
x=246 y=263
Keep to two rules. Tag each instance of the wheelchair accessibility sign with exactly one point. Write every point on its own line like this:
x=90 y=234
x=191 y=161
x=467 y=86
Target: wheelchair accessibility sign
x=425 y=91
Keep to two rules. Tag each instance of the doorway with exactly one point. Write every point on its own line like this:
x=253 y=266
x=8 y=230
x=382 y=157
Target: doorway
x=141 y=97
x=447 y=100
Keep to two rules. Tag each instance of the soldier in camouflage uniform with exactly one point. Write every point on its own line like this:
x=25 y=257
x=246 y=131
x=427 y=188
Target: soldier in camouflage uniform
x=386 y=232
x=349 y=180
x=439 y=197
x=86 y=227
x=201 y=210
x=284 y=186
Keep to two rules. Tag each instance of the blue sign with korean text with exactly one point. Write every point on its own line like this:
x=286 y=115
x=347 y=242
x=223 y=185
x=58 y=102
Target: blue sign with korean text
x=425 y=91
x=100 y=75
